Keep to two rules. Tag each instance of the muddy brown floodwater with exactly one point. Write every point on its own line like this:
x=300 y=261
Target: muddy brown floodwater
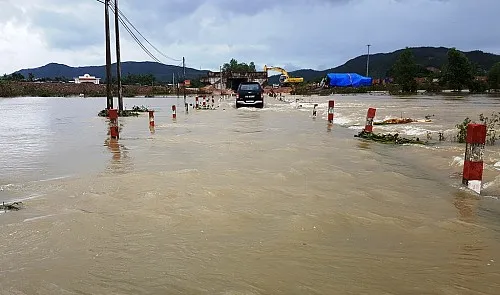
x=244 y=201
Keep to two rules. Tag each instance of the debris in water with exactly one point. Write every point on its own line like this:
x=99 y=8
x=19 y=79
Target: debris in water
x=134 y=112
x=388 y=138
x=395 y=121
x=11 y=207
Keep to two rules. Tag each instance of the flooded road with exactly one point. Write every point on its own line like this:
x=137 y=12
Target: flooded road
x=244 y=201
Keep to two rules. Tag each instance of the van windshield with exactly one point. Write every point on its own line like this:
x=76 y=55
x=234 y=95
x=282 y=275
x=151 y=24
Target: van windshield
x=253 y=87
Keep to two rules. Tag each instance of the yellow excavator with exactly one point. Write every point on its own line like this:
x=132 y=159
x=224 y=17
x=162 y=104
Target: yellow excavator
x=284 y=77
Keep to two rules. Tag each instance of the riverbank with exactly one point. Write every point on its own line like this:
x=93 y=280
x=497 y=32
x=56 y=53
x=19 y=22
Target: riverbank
x=33 y=89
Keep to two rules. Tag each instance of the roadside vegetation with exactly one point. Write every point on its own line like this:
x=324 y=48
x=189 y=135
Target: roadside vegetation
x=492 y=123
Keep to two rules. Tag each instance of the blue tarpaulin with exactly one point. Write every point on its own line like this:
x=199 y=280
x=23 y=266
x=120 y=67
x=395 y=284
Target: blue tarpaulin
x=347 y=80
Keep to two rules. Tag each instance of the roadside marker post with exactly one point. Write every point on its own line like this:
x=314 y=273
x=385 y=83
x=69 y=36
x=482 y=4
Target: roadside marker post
x=113 y=123
x=474 y=154
x=331 y=105
x=369 y=120
x=151 y=118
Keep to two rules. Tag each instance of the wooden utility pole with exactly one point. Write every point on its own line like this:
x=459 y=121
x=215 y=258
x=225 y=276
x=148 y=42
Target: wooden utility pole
x=220 y=69
x=108 y=57
x=118 y=59
x=184 y=70
x=368 y=61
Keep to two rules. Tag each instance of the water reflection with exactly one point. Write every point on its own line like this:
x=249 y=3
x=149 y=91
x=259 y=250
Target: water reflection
x=363 y=145
x=467 y=206
x=329 y=127
x=249 y=121
x=120 y=161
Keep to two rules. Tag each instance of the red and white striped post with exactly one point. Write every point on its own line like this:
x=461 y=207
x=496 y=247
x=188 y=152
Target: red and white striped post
x=473 y=160
x=151 y=118
x=369 y=120
x=113 y=123
x=174 y=112
x=331 y=105
x=197 y=104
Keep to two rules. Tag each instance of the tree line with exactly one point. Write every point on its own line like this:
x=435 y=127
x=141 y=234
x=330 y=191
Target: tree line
x=234 y=66
x=135 y=79
x=457 y=74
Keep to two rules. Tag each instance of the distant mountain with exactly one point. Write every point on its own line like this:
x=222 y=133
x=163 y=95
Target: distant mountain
x=380 y=63
x=162 y=72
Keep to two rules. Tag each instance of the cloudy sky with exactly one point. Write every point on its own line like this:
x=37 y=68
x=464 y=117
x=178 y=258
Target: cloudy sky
x=295 y=34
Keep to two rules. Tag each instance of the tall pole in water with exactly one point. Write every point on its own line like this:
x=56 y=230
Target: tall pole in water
x=184 y=73
x=368 y=61
x=220 y=68
x=109 y=95
x=118 y=59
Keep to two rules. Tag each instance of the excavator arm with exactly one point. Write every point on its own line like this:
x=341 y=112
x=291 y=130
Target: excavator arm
x=276 y=69
x=284 y=78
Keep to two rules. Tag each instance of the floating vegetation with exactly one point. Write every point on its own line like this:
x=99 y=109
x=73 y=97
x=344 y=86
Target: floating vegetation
x=388 y=138
x=141 y=109
x=395 y=121
x=134 y=112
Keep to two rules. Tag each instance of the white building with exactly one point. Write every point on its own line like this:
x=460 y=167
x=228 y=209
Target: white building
x=87 y=79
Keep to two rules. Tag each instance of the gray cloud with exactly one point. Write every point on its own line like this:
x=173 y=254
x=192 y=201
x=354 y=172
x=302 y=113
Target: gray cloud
x=293 y=34
x=69 y=31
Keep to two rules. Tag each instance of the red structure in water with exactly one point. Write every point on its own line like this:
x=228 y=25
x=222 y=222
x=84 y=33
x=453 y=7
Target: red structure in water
x=331 y=105
x=113 y=123
x=151 y=118
x=369 y=120
x=473 y=160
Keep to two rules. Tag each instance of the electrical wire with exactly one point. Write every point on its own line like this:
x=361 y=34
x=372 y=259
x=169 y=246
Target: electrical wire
x=137 y=39
x=124 y=20
x=132 y=25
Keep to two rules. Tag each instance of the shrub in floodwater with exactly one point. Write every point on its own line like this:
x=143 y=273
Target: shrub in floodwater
x=462 y=130
x=492 y=124
x=141 y=109
x=124 y=113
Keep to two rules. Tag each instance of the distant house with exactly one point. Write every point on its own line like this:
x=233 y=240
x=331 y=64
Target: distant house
x=87 y=79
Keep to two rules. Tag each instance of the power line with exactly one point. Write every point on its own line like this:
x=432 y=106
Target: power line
x=136 y=39
x=133 y=35
x=123 y=19
x=132 y=25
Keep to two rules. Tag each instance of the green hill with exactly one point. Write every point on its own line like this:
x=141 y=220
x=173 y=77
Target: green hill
x=381 y=63
x=162 y=72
